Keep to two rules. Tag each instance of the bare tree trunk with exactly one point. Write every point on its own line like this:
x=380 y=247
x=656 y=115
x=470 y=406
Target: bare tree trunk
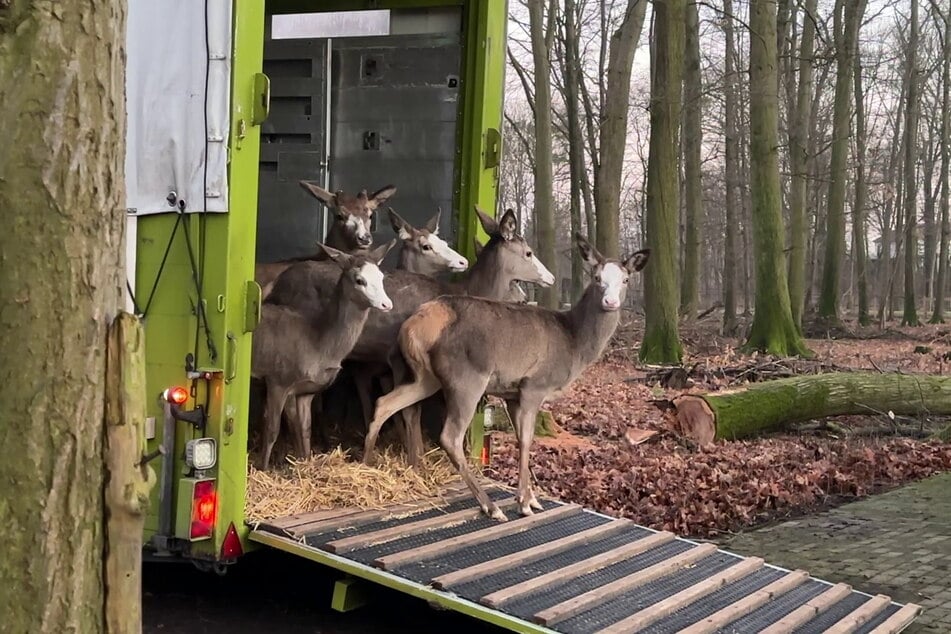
x=773 y=330
x=928 y=217
x=941 y=282
x=571 y=65
x=891 y=208
x=848 y=16
x=798 y=141
x=613 y=133
x=692 y=142
x=731 y=168
x=661 y=342
x=859 y=233
x=62 y=191
x=910 y=314
x=544 y=182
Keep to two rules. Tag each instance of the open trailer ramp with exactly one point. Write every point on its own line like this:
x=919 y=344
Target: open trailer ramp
x=571 y=570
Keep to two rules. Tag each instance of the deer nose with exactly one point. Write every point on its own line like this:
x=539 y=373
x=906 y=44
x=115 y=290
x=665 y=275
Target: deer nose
x=364 y=240
x=610 y=303
x=461 y=264
x=386 y=305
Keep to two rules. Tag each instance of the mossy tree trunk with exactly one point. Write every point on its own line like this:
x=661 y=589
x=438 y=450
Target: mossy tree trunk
x=541 y=36
x=910 y=212
x=693 y=140
x=661 y=342
x=62 y=71
x=731 y=169
x=772 y=405
x=848 y=15
x=612 y=134
x=773 y=329
x=799 y=163
x=939 y=294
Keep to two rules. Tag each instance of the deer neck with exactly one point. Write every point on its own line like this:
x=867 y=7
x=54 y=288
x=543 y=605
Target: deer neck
x=337 y=239
x=338 y=325
x=591 y=326
x=485 y=278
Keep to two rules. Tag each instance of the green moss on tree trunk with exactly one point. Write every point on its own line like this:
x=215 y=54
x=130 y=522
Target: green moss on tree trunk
x=62 y=196
x=773 y=329
x=661 y=341
x=772 y=405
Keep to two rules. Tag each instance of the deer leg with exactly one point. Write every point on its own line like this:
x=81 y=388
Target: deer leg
x=276 y=397
x=363 y=381
x=304 y=416
x=460 y=408
x=426 y=384
x=524 y=414
x=410 y=431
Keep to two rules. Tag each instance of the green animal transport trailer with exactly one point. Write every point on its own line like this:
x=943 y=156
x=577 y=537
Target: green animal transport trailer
x=230 y=103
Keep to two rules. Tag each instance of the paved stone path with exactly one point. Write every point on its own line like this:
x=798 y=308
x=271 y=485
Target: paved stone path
x=897 y=543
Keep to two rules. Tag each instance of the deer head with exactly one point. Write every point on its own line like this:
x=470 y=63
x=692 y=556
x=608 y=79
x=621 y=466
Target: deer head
x=424 y=252
x=610 y=277
x=514 y=254
x=352 y=215
x=362 y=276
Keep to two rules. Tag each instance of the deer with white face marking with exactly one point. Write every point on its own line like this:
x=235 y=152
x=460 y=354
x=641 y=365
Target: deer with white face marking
x=516 y=293
x=506 y=257
x=422 y=250
x=349 y=232
x=297 y=354
x=468 y=347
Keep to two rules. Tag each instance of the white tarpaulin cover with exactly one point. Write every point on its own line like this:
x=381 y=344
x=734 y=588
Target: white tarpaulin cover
x=165 y=102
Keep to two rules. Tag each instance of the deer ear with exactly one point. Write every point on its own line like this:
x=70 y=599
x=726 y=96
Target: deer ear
x=589 y=254
x=319 y=193
x=342 y=259
x=433 y=225
x=638 y=260
x=508 y=226
x=489 y=225
x=380 y=196
x=377 y=254
x=478 y=246
x=402 y=228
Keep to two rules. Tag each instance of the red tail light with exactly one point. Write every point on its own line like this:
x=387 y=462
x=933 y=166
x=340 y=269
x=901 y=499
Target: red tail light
x=232 y=545
x=204 y=509
x=486 y=449
x=176 y=395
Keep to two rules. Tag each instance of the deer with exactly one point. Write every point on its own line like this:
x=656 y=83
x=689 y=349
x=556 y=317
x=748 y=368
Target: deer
x=516 y=294
x=297 y=354
x=349 y=232
x=422 y=250
x=506 y=257
x=468 y=346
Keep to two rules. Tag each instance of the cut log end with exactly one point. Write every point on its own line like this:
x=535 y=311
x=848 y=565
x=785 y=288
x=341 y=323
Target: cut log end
x=696 y=420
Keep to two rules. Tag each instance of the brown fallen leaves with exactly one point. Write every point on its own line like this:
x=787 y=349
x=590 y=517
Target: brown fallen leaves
x=665 y=486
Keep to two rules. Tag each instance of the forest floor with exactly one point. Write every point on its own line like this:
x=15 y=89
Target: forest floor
x=616 y=452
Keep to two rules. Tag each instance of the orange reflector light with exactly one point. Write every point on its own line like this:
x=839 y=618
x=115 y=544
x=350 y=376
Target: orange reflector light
x=486 y=449
x=204 y=509
x=232 y=545
x=176 y=395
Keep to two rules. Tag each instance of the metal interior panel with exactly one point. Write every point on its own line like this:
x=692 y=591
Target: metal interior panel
x=395 y=120
x=293 y=148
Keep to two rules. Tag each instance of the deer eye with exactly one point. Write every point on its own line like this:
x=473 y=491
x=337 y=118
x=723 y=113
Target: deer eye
x=360 y=281
x=426 y=247
x=528 y=254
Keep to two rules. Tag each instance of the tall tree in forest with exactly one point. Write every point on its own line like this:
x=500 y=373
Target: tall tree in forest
x=541 y=36
x=799 y=165
x=945 y=136
x=62 y=191
x=661 y=342
x=858 y=207
x=773 y=330
x=571 y=70
x=848 y=16
x=731 y=167
x=613 y=132
x=692 y=141
x=910 y=211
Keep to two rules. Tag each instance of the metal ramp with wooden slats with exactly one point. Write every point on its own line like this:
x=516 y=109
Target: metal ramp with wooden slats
x=567 y=569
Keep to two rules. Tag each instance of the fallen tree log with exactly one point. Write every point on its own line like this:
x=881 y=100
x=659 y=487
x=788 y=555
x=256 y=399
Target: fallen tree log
x=771 y=405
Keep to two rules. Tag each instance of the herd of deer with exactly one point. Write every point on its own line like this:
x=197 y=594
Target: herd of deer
x=420 y=335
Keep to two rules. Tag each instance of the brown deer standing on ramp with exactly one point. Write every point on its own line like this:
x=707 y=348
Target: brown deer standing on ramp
x=349 y=232
x=468 y=347
x=506 y=257
x=298 y=354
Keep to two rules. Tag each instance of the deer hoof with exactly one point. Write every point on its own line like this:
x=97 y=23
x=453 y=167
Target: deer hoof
x=497 y=514
x=526 y=509
x=535 y=504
